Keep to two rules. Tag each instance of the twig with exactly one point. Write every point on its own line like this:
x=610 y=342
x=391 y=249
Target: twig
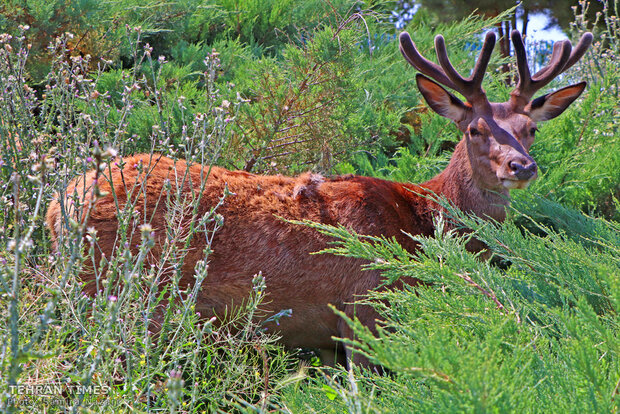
x=586 y=122
x=295 y=126
x=613 y=394
x=284 y=138
x=263 y=355
x=282 y=154
x=285 y=144
x=490 y=295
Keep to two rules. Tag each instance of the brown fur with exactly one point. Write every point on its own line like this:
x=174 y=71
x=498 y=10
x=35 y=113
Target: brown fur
x=254 y=239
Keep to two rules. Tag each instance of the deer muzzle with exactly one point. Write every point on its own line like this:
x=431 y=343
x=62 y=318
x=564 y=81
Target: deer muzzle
x=523 y=170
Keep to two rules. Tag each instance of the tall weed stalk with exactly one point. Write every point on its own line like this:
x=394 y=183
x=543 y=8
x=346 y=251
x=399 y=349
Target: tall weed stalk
x=102 y=351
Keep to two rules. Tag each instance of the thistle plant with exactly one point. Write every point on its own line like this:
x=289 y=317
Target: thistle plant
x=131 y=339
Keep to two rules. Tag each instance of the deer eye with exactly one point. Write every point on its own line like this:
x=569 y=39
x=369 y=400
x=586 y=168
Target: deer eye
x=473 y=131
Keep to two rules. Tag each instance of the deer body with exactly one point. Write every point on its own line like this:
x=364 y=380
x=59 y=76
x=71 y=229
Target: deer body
x=491 y=159
x=254 y=238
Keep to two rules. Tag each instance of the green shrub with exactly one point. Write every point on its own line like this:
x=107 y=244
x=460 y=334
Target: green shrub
x=307 y=85
x=539 y=336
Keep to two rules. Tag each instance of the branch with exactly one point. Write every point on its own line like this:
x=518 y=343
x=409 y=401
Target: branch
x=490 y=295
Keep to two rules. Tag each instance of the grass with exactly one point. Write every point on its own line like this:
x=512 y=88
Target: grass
x=535 y=329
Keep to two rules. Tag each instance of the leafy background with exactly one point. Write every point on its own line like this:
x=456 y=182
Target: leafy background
x=283 y=87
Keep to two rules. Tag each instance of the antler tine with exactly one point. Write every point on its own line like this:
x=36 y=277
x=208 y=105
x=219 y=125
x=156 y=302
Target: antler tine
x=522 y=66
x=555 y=55
x=472 y=86
x=580 y=50
x=483 y=59
x=444 y=61
x=431 y=69
x=576 y=54
x=446 y=74
x=528 y=85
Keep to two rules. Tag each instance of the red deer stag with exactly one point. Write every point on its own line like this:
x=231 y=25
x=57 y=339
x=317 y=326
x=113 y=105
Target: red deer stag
x=491 y=158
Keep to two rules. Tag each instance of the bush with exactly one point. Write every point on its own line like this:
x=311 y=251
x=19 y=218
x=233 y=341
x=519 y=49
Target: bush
x=540 y=335
x=533 y=330
x=305 y=87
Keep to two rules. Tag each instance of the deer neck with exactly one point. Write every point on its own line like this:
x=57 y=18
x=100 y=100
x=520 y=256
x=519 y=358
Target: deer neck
x=458 y=183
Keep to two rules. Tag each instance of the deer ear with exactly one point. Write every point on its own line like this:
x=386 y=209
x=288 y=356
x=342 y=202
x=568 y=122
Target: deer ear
x=553 y=104
x=440 y=100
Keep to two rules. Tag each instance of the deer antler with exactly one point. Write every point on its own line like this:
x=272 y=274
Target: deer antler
x=470 y=88
x=561 y=59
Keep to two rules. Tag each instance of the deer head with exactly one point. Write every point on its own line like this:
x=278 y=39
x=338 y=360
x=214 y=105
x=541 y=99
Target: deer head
x=497 y=136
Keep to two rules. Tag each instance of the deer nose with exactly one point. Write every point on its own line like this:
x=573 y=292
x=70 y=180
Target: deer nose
x=523 y=169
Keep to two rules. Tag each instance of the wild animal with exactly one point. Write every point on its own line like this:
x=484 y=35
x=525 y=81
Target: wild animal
x=491 y=159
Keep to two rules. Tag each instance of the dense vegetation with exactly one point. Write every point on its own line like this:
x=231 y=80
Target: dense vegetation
x=281 y=87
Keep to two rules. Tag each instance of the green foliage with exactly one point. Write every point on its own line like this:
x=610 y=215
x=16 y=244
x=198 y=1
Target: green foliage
x=538 y=336
x=422 y=159
x=170 y=27
x=298 y=108
x=288 y=86
x=49 y=19
x=534 y=330
x=579 y=153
